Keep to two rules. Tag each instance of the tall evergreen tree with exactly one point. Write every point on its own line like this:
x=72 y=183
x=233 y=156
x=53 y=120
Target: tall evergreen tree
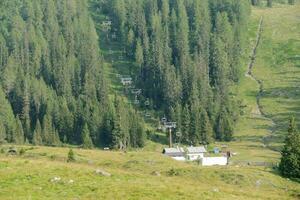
x=290 y=156
x=186 y=121
x=87 y=142
x=18 y=135
x=206 y=131
x=291 y=2
x=269 y=3
x=2 y=133
x=37 y=135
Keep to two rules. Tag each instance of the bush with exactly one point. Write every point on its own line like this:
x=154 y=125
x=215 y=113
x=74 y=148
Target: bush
x=22 y=151
x=71 y=156
x=173 y=172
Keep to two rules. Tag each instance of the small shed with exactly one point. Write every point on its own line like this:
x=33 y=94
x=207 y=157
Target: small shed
x=195 y=153
x=126 y=81
x=175 y=153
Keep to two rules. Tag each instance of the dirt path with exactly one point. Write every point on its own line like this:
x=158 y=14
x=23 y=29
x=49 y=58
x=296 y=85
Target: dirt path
x=249 y=73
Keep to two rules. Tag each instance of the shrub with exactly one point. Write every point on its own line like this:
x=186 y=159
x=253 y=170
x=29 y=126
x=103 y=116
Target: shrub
x=22 y=151
x=71 y=156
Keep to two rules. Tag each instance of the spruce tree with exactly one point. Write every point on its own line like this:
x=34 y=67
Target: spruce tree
x=37 y=135
x=291 y=2
x=186 y=124
x=206 y=131
x=2 y=133
x=48 y=131
x=7 y=118
x=224 y=127
x=87 y=142
x=71 y=156
x=269 y=3
x=139 y=56
x=18 y=135
x=290 y=156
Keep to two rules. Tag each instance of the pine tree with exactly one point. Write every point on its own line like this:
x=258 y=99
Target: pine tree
x=291 y=2
x=2 y=133
x=71 y=156
x=186 y=124
x=7 y=118
x=269 y=3
x=224 y=127
x=37 y=135
x=87 y=142
x=48 y=131
x=130 y=42
x=255 y=2
x=18 y=136
x=290 y=156
x=206 y=131
x=139 y=56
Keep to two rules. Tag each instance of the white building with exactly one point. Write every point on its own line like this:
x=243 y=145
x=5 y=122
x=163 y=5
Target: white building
x=195 y=153
x=175 y=153
x=211 y=161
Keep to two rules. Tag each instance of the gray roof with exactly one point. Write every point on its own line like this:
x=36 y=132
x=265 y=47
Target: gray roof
x=174 y=151
x=195 y=150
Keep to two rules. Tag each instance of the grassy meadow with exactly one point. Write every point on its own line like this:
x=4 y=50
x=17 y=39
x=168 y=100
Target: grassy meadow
x=134 y=175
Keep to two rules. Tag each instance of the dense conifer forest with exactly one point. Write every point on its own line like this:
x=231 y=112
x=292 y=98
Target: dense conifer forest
x=53 y=90
x=52 y=85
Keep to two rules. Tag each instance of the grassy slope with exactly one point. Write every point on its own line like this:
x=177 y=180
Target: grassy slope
x=278 y=64
x=27 y=176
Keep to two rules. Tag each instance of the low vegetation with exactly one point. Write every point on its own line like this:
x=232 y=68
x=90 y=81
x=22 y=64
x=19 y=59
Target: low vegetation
x=44 y=173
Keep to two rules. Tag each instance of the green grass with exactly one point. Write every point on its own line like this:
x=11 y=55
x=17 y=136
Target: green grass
x=278 y=65
x=29 y=177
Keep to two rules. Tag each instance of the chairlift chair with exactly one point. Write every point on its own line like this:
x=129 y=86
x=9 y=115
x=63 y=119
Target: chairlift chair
x=147 y=103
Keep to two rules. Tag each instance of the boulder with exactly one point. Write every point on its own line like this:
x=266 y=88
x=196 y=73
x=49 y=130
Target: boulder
x=102 y=173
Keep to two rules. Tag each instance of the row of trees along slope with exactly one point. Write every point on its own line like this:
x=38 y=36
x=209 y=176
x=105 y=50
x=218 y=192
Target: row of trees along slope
x=51 y=76
x=188 y=53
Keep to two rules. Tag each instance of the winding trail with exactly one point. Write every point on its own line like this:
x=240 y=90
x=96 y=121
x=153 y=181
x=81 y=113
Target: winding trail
x=259 y=95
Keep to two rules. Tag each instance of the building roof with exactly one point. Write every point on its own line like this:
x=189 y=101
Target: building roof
x=194 y=150
x=174 y=152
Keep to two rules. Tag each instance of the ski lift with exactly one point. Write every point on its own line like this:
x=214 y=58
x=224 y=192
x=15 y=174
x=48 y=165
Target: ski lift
x=106 y=25
x=136 y=91
x=147 y=103
x=163 y=119
x=169 y=125
x=126 y=81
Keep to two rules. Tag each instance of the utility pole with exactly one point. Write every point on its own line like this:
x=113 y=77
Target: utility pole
x=170 y=138
x=170 y=125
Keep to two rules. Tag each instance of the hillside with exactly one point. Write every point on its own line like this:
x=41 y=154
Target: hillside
x=134 y=175
x=267 y=95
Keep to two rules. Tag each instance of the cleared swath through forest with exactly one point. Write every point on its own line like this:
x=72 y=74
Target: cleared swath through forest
x=250 y=74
